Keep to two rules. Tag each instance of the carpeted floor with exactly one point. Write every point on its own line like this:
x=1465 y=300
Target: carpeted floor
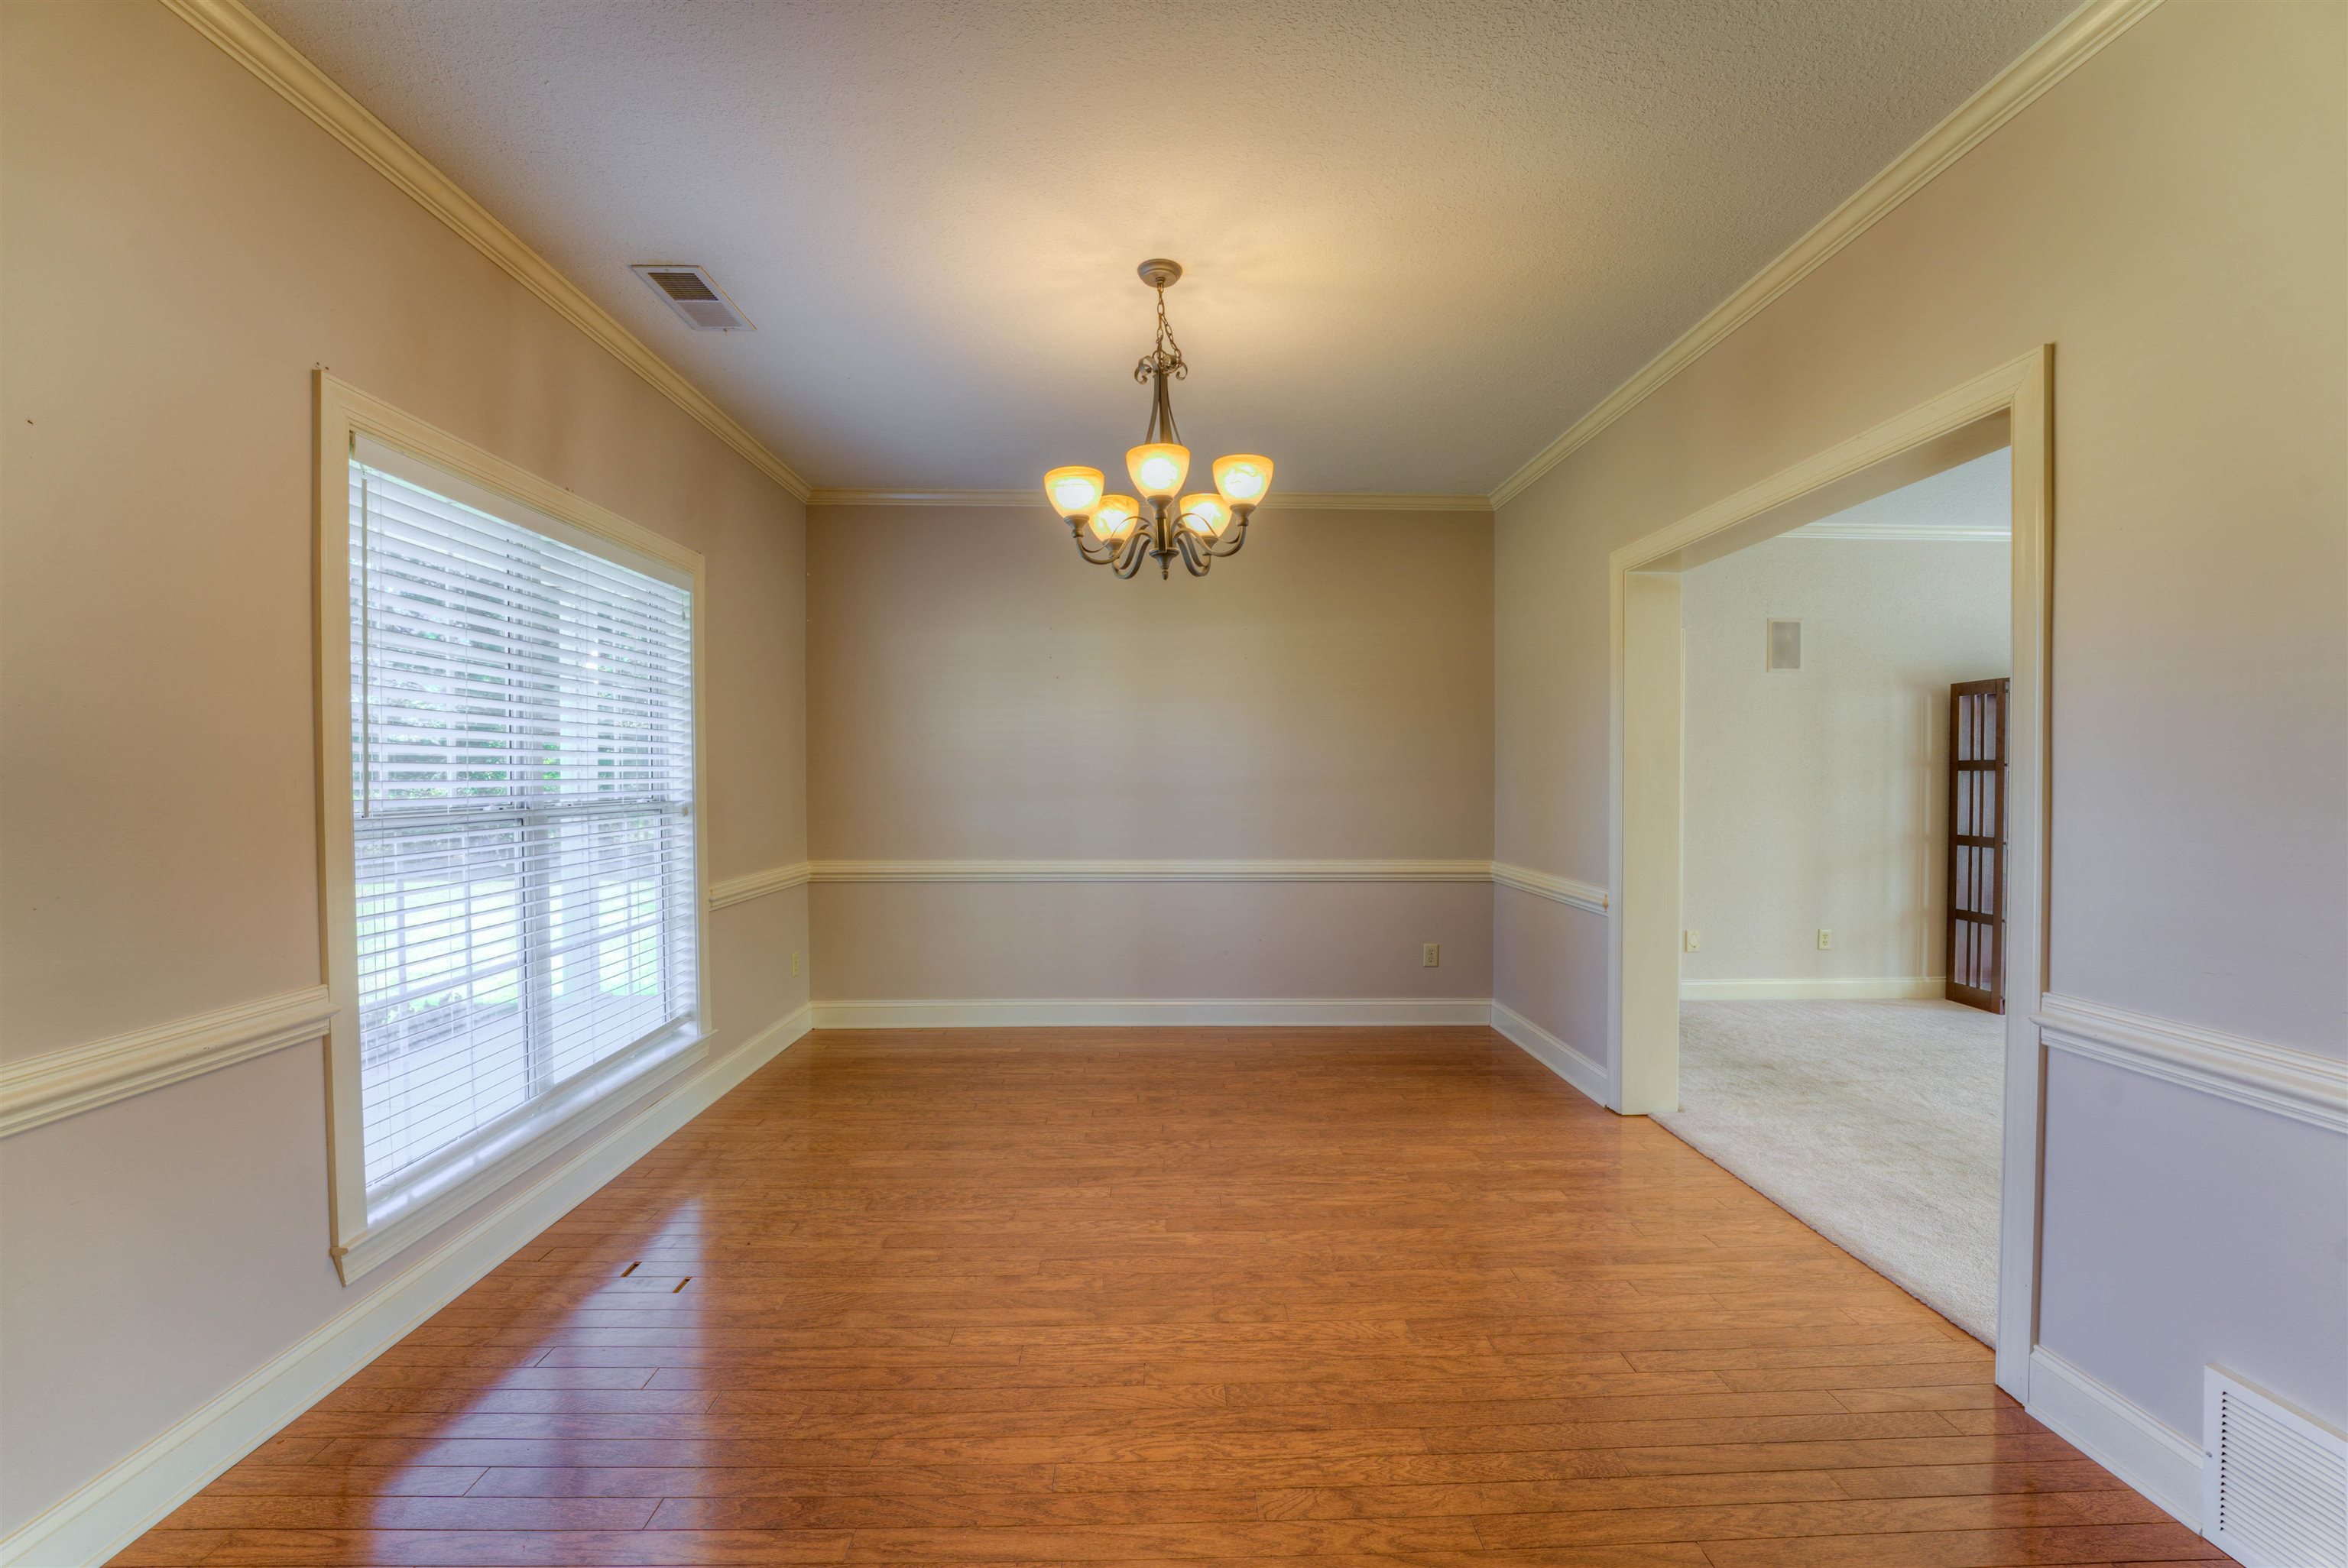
x=1875 y=1123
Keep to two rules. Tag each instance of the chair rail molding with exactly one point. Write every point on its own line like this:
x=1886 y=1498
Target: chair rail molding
x=251 y=43
x=55 y=1085
x=1559 y=889
x=2279 y=1079
x=734 y=890
x=1152 y=870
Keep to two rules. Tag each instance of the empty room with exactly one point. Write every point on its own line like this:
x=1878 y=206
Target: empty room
x=1558 y=783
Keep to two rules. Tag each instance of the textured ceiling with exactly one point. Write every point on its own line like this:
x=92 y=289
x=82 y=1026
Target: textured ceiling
x=1422 y=238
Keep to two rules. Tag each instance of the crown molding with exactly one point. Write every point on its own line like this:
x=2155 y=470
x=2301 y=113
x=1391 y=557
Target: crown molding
x=1303 y=501
x=2071 y=45
x=254 y=44
x=1372 y=501
x=251 y=42
x=927 y=498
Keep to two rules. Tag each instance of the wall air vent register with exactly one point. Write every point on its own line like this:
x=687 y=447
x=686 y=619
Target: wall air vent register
x=2274 y=1479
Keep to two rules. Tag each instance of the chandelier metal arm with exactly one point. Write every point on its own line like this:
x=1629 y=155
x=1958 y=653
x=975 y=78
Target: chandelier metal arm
x=1162 y=426
x=1123 y=555
x=1135 y=553
x=1086 y=548
x=1186 y=544
x=1227 y=542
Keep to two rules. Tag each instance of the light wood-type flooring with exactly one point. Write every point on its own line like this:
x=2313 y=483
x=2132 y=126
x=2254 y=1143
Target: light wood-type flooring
x=1310 y=1297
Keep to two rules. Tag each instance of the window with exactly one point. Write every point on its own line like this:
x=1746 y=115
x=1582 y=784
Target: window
x=522 y=933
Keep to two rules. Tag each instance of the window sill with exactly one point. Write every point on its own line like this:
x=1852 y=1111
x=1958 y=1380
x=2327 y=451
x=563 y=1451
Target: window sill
x=401 y=1215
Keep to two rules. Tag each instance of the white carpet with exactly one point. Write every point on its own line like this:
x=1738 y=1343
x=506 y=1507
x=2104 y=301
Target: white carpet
x=1875 y=1123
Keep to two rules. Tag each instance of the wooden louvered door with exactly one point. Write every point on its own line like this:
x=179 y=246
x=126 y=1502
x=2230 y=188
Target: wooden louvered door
x=1976 y=940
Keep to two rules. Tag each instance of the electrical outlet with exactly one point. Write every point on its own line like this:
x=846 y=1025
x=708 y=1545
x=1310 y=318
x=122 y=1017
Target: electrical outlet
x=1826 y=938
x=1692 y=941
x=1431 y=955
x=794 y=960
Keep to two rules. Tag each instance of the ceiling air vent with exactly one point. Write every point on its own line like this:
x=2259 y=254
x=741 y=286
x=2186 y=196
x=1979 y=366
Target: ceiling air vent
x=693 y=293
x=2274 y=1479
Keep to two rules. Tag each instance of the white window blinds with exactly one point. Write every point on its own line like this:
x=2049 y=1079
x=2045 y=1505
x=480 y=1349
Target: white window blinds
x=522 y=716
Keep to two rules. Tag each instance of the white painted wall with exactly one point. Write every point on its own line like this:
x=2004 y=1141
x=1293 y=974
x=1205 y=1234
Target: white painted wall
x=1818 y=798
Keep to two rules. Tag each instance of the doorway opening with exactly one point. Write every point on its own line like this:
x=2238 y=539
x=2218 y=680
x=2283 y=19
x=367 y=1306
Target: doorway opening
x=2003 y=414
x=1841 y=688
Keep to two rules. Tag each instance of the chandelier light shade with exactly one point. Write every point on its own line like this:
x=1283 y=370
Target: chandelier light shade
x=1158 y=469
x=1205 y=513
x=1115 y=517
x=1073 y=489
x=1200 y=530
x=1243 y=478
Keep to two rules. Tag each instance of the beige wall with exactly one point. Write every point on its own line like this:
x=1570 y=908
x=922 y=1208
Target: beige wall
x=1818 y=798
x=978 y=692
x=182 y=248
x=179 y=248
x=2171 y=216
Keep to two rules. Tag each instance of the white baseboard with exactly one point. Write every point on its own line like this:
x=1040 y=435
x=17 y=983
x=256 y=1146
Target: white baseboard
x=1883 y=989
x=1148 y=1012
x=1551 y=1052
x=2115 y=1431
x=106 y=1515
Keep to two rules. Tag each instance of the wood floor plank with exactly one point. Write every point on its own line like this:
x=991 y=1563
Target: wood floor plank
x=1314 y=1297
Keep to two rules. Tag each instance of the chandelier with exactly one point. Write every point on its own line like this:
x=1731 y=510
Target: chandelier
x=1202 y=527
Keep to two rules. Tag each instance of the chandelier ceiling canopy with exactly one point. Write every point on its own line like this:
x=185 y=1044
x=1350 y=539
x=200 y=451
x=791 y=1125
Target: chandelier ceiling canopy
x=1200 y=528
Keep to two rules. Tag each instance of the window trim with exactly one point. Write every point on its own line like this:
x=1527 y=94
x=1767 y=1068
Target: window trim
x=361 y=1241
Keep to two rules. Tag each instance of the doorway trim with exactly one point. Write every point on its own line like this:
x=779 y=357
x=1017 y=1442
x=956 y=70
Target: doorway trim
x=1643 y=797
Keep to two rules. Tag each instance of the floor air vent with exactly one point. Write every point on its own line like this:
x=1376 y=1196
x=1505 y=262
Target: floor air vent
x=2274 y=1479
x=693 y=293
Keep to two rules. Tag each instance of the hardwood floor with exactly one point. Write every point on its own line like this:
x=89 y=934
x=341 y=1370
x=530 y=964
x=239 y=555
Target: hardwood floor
x=1317 y=1296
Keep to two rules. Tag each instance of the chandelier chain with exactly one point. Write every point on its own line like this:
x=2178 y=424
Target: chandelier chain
x=1165 y=357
